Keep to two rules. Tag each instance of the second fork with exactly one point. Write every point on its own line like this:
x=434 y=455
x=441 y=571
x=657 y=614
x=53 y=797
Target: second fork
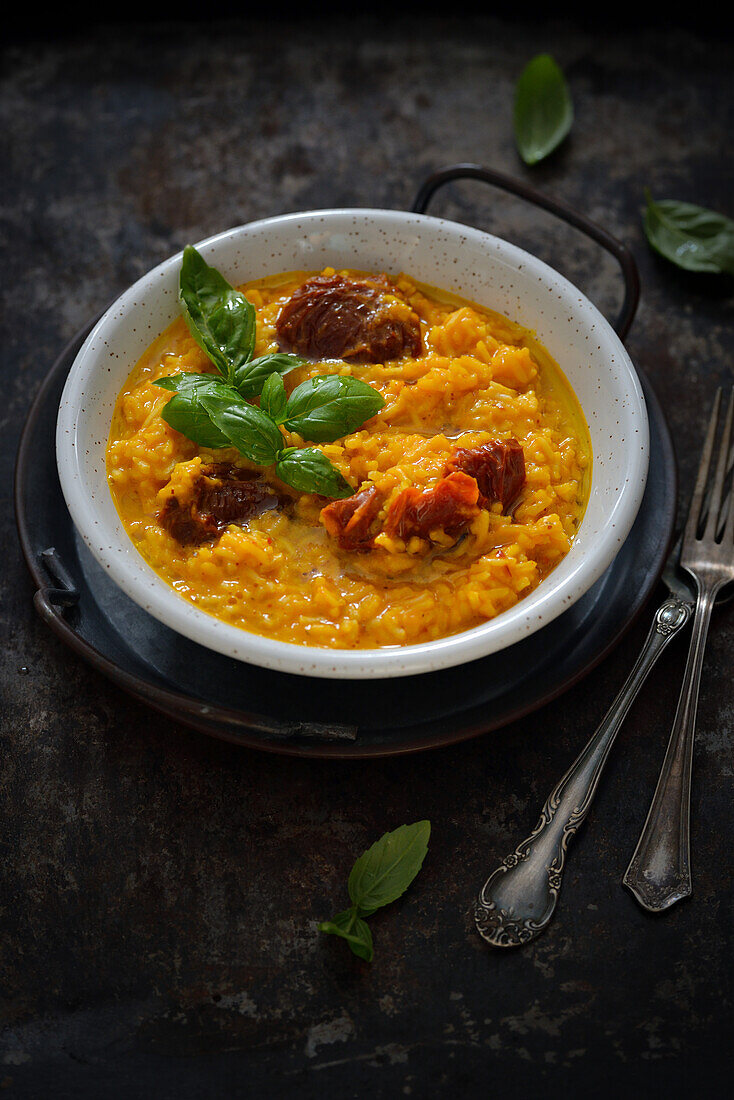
x=659 y=873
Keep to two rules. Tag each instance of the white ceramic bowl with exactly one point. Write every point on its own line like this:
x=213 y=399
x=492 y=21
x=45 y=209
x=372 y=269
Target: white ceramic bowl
x=444 y=254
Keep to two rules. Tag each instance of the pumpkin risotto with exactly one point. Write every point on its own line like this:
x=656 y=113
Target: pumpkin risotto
x=468 y=485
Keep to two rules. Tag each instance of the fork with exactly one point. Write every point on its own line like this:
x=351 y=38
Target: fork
x=659 y=873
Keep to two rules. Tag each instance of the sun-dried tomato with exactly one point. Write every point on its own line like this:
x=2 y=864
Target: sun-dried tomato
x=450 y=506
x=331 y=317
x=351 y=521
x=498 y=467
x=221 y=495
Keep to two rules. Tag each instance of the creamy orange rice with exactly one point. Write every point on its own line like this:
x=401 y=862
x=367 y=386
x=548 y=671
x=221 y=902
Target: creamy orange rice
x=479 y=378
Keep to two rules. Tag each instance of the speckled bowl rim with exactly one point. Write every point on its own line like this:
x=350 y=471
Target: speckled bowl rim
x=621 y=493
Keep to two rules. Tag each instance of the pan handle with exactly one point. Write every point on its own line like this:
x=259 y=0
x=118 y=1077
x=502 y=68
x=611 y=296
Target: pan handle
x=64 y=593
x=620 y=252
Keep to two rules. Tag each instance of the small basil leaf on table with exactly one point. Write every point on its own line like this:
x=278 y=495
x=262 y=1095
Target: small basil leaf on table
x=330 y=406
x=246 y=428
x=352 y=929
x=379 y=877
x=690 y=236
x=273 y=399
x=386 y=870
x=186 y=412
x=543 y=111
x=310 y=471
x=220 y=318
x=249 y=378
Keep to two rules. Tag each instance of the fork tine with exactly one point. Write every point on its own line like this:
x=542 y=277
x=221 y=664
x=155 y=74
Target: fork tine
x=694 y=511
x=728 y=504
x=718 y=486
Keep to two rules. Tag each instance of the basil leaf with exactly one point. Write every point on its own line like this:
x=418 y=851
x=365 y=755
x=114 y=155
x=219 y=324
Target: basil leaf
x=221 y=320
x=543 y=112
x=273 y=399
x=187 y=415
x=245 y=427
x=179 y=383
x=690 y=236
x=250 y=377
x=310 y=471
x=386 y=870
x=379 y=877
x=352 y=929
x=186 y=412
x=329 y=406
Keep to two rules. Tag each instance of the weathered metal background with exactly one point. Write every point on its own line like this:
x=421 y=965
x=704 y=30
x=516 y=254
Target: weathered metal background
x=159 y=891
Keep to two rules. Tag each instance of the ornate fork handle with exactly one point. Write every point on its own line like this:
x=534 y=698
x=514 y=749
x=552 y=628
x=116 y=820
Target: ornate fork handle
x=517 y=901
x=659 y=873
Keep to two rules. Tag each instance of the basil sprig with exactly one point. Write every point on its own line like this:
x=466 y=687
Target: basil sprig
x=216 y=410
x=690 y=236
x=380 y=876
x=543 y=111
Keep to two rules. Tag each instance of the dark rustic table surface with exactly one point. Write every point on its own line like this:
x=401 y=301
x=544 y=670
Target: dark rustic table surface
x=160 y=891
